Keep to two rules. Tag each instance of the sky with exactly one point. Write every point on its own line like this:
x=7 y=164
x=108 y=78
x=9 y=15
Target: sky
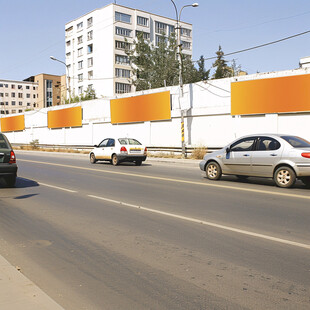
x=31 y=31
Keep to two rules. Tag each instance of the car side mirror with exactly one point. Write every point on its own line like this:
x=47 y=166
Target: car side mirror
x=95 y=145
x=227 y=149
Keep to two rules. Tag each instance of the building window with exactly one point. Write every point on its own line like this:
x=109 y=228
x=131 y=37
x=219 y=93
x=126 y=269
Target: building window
x=13 y=111
x=142 y=21
x=20 y=86
x=68 y=43
x=121 y=17
x=20 y=103
x=80 y=90
x=159 y=39
x=123 y=32
x=34 y=96
x=89 y=49
x=90 y=62
x=20 y=95
x=145 y=35
x=186 y=45
x=89 y=35
x=90 y=75
x=27 y=87
x=121 y=88
x=20 y=111
x=121 y=59
x=185 y=32
x=89 y=22
x=68 y=55
x=13 y=86
x=80 y=26
x=80 y=51
x=13 y=95
x=80 y=77
x=80 y=64
x=90 y=87
x=13 y=103
x=28 y=104
x=1 y=95
x=122 y=45
x=80 y=39
x=49 y=84
x=160 y=27
x=122 y=73
x=27 y=95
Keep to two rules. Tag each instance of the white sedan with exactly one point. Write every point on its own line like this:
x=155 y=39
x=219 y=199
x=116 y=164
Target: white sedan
x=119 y=150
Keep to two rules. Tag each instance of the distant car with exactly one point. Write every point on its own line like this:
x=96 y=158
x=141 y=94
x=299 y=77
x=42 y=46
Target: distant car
x=119 y=150
x=281 y=157
x=8 y=166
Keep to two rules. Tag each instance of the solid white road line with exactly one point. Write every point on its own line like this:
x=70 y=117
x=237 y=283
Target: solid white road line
x=193 y=220
x=259 y=191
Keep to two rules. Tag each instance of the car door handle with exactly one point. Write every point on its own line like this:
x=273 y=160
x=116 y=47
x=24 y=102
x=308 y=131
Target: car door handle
x=273 y=154
x=246 y=155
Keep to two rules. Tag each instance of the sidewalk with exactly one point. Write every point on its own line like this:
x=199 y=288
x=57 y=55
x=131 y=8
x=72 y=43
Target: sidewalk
x=19 y=293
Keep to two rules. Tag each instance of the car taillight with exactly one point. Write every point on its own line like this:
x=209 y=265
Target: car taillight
x=123 y=149
x=145 y=150
x=307 y=155
x=12 y=158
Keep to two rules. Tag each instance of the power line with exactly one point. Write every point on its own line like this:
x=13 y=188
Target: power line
x=259 y=46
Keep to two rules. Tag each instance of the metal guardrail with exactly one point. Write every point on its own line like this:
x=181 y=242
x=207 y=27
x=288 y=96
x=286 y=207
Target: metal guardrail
x=153 y=149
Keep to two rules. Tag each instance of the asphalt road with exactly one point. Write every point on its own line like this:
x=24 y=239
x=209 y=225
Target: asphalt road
x=158 y=236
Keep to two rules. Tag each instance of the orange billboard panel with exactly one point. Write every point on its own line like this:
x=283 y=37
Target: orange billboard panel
x=70 y=117
x=13 y=123
x=151 y=107
x=274 y=95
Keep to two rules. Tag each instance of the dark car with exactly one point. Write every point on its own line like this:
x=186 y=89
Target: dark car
x=8 y=166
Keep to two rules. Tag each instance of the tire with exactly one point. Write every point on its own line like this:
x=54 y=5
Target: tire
x=213 y=171
x=92 y=158
x=284 y=177
x=138 y=162
x=10 y=181
x=114 y=160
x=306 y=181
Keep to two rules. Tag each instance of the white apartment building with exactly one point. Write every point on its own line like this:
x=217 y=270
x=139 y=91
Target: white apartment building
x=96 y=42
x=17 y=96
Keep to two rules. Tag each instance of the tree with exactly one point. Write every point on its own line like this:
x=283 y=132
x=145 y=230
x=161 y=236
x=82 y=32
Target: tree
x=222 y=69
x=203 y=74
x=157 y=66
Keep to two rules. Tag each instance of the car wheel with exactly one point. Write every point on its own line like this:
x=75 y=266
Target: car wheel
x=115 y=160
x=213 y=171
x=138 y=162
x=93 y=159
x=284 y=177
x=306 y=181
x=10 y=181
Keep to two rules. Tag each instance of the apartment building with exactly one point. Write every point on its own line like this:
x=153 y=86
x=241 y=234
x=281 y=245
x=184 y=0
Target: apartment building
x=50 y=90
x=17 y=96
x=96 y=43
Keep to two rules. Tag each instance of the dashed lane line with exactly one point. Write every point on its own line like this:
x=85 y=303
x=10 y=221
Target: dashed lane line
x=210 y=224
x=236 y=188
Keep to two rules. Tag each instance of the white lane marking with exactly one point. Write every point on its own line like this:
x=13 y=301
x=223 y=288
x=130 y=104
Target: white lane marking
x=57 y=187
x=193 y=220
x=259 y=191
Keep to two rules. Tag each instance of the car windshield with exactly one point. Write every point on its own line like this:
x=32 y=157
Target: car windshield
x=296 y=141
x=127 y=141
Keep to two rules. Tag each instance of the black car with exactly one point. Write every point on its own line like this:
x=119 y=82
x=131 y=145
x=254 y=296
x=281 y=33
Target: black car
x=8 y=166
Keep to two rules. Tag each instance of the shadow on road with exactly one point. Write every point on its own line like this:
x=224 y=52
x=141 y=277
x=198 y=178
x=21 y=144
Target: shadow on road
x=20 y=183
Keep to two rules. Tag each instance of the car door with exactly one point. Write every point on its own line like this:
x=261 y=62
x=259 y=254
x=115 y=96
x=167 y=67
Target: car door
x=109 y=149
x=267 y=153
x=100 y=150
x=238 y=157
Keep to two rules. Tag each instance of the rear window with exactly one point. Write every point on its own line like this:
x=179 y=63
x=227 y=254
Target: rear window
x=126 y=141
x=296 y=141
x=4 y=143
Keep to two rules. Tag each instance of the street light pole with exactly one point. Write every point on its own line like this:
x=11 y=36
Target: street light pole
x=67 y=74
x=178 y=28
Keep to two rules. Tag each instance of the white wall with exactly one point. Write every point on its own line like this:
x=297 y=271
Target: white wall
x=207 y=119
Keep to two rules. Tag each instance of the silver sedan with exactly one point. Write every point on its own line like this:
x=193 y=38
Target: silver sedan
x=281 y=157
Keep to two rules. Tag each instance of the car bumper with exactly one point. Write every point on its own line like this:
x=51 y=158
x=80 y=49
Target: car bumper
x=8 y=169
x=302 y=170
x=122 y=157
x=202 y=165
